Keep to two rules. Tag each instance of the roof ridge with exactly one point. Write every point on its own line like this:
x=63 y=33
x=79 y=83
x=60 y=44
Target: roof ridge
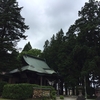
x=35 y=57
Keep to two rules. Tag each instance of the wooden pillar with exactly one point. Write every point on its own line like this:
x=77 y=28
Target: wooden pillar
x=10 y=80
x=41 y=80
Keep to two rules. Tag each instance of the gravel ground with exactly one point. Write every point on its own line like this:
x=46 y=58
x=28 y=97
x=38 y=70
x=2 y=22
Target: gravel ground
x=67 y=98
x=71 y=98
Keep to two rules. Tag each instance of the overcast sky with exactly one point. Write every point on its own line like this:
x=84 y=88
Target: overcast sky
x=47 y=17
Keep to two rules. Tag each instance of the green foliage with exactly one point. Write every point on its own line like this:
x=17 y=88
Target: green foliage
x=2 y=83
x=31 y=52
x=77 y=54
x=88 y=36
x=61 y=97
x=27 y=47
x=59 y=50
x=44 y=98
x=90 y=91
x=24 y=91
x=18 y=91
x=8 y=65
x=52 y=92
x=12 y=29
x=52 y=48
x=35 y=52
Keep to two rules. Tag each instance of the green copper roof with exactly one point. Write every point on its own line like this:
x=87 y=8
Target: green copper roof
x=36 y=65
x=14 y=71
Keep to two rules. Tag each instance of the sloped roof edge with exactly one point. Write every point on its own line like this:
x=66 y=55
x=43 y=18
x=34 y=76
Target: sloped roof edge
x=29 y=68
x=35 y=64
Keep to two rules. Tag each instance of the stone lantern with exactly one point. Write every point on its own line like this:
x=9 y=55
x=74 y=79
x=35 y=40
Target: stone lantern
x=98 y=93
x=80 y=88
x=80 y=96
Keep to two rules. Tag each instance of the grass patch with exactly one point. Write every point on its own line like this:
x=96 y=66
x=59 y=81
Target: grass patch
x=4 y=99
x=13 y=99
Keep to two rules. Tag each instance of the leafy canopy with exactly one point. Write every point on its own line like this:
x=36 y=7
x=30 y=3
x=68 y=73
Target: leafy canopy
x=12 y=28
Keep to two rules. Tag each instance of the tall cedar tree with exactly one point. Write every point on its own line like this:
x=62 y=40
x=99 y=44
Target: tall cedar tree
x=12 y=28
x=51 y=50
x=79 y=55
x=89 y=35
x=86 y=53
x=27 y=47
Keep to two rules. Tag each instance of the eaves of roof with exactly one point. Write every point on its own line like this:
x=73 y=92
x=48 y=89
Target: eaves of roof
x=35 y=65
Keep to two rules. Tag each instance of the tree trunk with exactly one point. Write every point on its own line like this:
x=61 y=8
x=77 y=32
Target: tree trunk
x=61 y=87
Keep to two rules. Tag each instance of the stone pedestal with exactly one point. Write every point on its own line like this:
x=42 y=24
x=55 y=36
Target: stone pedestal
x=80 y=92
x=98 y=93
x=80 y=96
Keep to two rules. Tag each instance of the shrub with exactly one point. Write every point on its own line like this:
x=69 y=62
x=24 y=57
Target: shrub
x=53 y=94
x=61 y=97
x=24 y=91
x=2 y=83
x=18 y=91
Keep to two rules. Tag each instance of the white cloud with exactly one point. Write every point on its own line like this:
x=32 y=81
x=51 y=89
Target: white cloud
x=47 y=17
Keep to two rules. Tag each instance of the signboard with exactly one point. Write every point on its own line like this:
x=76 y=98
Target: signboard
x=41 y=92
x=46 y=93
x=37 y=93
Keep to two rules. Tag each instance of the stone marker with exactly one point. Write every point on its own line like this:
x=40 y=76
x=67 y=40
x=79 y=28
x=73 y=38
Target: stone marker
x=98 y=93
